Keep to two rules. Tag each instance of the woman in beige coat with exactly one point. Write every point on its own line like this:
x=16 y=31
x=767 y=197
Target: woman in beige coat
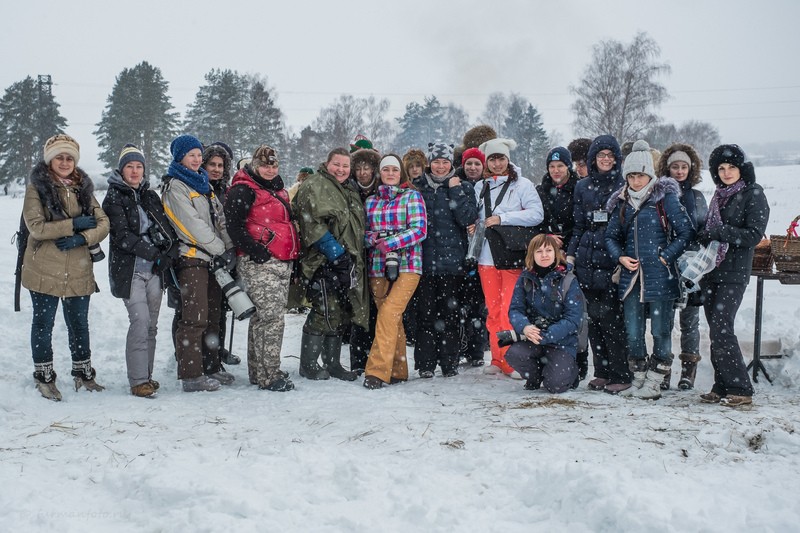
x=66 y=224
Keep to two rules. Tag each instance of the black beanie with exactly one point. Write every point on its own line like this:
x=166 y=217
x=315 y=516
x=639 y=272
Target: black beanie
x=726 y=153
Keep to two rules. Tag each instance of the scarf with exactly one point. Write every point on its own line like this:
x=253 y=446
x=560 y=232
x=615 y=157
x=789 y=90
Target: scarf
x=436 y=182
x=541 y=271
x=637 y=198
x=714 y=218
x=196 y=180
x=275 y=184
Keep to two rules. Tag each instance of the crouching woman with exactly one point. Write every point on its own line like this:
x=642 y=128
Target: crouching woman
x=546 y=315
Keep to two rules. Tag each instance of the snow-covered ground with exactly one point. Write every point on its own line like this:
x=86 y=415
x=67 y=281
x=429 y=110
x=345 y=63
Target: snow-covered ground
x=470 y=453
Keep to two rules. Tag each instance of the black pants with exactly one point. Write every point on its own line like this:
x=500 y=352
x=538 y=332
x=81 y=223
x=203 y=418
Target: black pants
x=361 y=339
x=607 y=335
x=721 y=303
x=476 y=338
x=438 y=321
x=545 y=365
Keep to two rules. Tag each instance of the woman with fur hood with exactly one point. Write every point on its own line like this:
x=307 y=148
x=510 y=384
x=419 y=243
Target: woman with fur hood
x=681 y=163
x=647 y=232
x=737 y=218
x=64 y=219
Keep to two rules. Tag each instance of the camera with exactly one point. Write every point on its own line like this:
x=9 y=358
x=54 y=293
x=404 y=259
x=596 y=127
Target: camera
x=507 y=337
x=238 y=300
x=392 y=269
x=158 y=238
x=96 y=253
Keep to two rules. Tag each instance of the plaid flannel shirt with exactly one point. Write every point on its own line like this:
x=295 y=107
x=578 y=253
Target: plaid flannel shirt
x=398 y=216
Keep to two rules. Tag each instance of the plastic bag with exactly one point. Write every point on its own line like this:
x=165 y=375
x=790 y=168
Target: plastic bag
x=693 y=265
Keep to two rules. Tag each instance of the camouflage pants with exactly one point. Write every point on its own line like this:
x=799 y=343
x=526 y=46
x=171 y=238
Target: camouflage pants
x=267 y=285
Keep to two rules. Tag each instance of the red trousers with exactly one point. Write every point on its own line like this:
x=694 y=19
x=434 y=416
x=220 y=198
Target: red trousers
x=498 y=287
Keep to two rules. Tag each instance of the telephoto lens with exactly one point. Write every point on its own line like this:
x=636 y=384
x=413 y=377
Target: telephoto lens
x=97 y=253
x=392 y=270
x=507 y=337
x=238 y=300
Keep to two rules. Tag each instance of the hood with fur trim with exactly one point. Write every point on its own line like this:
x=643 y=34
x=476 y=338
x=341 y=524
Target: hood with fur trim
x=365 y=155
x=695 y=175
x=604 y=142
x=662 y=186
x=415 y=156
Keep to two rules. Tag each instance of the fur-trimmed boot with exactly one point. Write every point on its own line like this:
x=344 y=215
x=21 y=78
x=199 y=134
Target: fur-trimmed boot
x=688 y=370
x=639 y=369
x=45 y=378
x=84 y=375
x=331 y=357
x=651 y=389
x=311 y=346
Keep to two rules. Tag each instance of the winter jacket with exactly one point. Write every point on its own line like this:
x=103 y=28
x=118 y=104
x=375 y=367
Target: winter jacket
x=398 y=216
x=520 y=206
x=744 y=221
x=593 y=264
x=450 y=210
x=198 y=220
x=258 y=216
x=129 y=241
x=558 y=203
x=48 y=210
x=641 y=236
x=324 y=205
x=692 y=199
x=542 y=297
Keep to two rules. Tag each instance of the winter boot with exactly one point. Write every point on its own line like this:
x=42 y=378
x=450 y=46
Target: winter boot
x=667 y=380
x=651 y=389
x=688 y=370
x=582 y=359
x=639 y=369
x=331 y=357
x=45 y=378
x=200 y=384
x=84 y=375
x=310 y=348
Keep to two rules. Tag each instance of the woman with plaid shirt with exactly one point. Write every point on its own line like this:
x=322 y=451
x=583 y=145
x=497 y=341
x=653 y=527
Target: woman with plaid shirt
x=396 y=225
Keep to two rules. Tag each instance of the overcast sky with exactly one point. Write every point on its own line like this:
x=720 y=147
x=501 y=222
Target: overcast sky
x=734 y=63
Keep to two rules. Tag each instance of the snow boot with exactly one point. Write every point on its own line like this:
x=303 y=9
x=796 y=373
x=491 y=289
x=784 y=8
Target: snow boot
x=639 y=369
x=200 y=384
x=372 y=382
x=143 y=390
x=651 y=389
x=667 y=380
x=45 y=378
x=331 y=357
x=310 y=348
x=279 y=384
x=84 y=376
x=688 y=370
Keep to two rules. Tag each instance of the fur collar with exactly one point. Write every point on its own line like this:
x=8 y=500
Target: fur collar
x=47 y=189
x=660 y=189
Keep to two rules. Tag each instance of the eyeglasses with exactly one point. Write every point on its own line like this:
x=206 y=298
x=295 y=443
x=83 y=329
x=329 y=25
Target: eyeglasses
x=605 y=155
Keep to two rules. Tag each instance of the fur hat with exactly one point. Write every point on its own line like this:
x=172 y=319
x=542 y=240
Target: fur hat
x=640 y=160
x=478 y=135
x=726 y=153
x=182 y=145
x=694 y=161
x=559 y=153
x=440 y=150
x=61 y=144
x=129 y=154
x=579 y=148
x=219 y=150
x=414 y=156
x=263 y=155
x=365 y=156
x=473 y=153
x=498 y=146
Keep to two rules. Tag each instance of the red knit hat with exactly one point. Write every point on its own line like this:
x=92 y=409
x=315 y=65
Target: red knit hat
x=470 y=153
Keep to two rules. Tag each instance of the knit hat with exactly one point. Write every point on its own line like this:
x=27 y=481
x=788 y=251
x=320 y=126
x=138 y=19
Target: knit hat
x=264 y=155
x=679 y=155
x=473 y=153
x=182 y=145
x=639 y=160
x=361 y=142
x=559 y=153
x=128 y=154
x=579 y=148
x=440 y=150
x=61 y=144
x=726 y=153
x=306 y=170
x=498 y=146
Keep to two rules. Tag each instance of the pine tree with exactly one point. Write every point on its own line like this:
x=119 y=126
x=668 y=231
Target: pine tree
x=263 y=123
x=220 y=111
x=138 y=111
x=28 y=117
x=524 y=125
x=420 y=125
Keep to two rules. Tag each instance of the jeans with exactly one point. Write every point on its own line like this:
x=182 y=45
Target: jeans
x=76 y=316
x=690 y=330
x=661 y=321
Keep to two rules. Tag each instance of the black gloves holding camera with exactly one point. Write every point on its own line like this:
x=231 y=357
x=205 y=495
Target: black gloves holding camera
x=227 y=260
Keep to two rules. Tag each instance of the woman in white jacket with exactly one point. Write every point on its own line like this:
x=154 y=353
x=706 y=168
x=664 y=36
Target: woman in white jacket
x=510 y=200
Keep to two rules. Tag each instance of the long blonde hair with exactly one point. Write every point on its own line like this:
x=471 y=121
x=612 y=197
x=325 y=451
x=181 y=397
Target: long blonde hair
x=544 y=239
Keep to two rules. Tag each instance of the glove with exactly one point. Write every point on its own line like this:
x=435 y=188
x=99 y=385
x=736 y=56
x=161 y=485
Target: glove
x=83 y=223
x=68 y=243
x=261 y=256
x=329 y=247
x=704 y=237
x=230 y=259
x=339 y=272
x=161 y=263
x=382 y=246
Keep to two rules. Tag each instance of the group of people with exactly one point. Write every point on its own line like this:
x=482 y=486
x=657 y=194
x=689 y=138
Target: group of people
x=453 y=246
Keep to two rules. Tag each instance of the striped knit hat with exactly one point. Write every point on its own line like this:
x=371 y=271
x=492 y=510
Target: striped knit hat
x=128 y=154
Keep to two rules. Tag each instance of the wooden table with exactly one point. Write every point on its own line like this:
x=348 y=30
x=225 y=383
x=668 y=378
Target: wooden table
x=786 y=278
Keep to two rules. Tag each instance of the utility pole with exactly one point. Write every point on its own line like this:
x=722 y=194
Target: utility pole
x=45 y=86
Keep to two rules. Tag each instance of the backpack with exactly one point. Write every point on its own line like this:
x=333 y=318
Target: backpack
x=583 y=327
x=21 y=240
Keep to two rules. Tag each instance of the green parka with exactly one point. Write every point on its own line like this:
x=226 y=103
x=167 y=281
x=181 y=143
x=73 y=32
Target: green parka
x=323 y=204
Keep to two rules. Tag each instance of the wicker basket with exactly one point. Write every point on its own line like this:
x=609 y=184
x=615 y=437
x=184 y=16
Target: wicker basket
x=762 y=256
x=786 y=249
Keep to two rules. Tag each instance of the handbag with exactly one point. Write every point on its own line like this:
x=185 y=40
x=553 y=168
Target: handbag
x=508 y=244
